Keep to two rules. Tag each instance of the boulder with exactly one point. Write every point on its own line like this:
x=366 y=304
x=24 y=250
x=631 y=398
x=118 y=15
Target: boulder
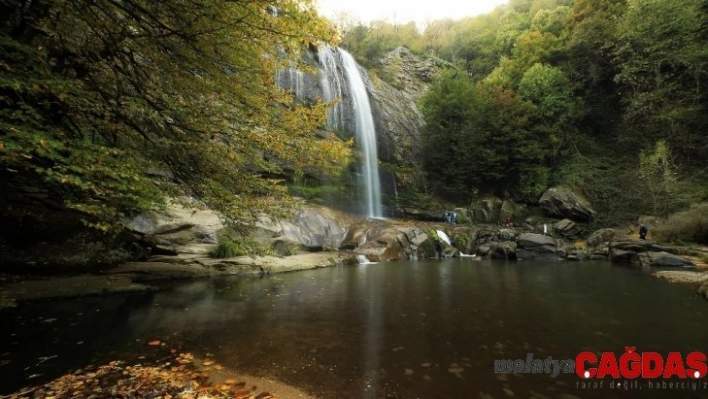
x=503 y=250
x=483 y=250
x=662 y=259
x=576 y=256
x=383 y=244
x=560 y=202
x=683 y=277
x=314 y=227
x=536 y=246
x=184 y=226
x=646 y=254
x=618 y=255
x=567 y=228
x=601 y=237
x=380 y=241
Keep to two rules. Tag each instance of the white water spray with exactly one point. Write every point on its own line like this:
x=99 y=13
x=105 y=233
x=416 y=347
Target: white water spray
x=366 y=135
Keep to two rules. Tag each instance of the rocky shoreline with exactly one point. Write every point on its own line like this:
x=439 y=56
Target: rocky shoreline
x=142 y=276
x=181 y=242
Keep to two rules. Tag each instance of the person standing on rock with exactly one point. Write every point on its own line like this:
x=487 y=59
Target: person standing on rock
x=643 y=230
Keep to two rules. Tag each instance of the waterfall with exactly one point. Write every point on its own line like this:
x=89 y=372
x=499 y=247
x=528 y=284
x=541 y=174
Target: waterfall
x=362 y=259
x=366 y=135
x=444 y=237
x=331 y=84
x=341 y=82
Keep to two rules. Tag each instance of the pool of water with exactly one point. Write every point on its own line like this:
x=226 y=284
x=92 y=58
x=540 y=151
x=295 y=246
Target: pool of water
x=424 y=329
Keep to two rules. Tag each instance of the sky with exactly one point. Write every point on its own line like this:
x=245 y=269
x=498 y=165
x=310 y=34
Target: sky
x=402 y=11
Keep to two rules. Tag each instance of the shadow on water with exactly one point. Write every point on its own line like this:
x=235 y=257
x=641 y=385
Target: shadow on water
x=428 y=329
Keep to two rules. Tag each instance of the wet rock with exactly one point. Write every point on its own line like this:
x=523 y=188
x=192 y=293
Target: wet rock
x=536 y=246
x=646 y=254
x=683 y=277
x=567 y=228
x=623 y=256
x=483 y=250
x=597 y=256
x=662 y=259
x=378 y=241
x=503 y=250
x=577 y=256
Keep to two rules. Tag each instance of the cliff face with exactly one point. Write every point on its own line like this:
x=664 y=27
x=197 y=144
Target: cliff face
x=404 y=80
x=393 y=90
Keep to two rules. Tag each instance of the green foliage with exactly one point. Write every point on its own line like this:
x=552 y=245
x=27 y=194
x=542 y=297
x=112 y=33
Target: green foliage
x=689 y=226
x=661 y=57
x=657 y=172
x=228 y=250
x=239 y=242
x=572 y=92
x=462 y=241
x=550 y=90
x=94 y=94
x=482 y=138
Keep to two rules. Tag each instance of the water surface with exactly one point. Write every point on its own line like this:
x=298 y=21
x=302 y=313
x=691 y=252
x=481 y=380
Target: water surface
x=426 y=329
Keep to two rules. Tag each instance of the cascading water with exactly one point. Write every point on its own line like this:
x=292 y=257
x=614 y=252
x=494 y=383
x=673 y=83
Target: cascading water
x=341 y=82
x=331 y=84
x=366 y=135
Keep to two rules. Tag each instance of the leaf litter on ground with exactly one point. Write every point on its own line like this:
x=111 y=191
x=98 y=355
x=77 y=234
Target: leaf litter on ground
x=170 y=376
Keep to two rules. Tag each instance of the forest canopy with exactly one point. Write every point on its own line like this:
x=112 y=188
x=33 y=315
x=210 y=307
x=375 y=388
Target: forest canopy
x=606 y=96
x=98 y=97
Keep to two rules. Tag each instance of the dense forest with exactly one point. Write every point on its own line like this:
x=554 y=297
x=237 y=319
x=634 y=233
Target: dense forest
x=111 y=105
x=605 y=96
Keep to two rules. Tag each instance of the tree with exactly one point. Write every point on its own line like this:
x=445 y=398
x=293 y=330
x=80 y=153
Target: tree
x=481 y=138
x=661 y=58
x=550 y=90
x=95 y=93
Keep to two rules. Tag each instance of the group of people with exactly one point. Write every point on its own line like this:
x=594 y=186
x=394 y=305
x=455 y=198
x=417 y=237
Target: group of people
x=450 y=217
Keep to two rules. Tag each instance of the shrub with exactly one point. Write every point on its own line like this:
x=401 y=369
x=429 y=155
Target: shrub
x=462 y=241
x=227 y=250
x=687 y=226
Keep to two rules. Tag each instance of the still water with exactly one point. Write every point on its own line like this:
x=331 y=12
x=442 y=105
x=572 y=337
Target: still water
x=425 y=329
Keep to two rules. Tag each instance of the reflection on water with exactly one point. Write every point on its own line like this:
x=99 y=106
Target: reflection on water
x=426 y=329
